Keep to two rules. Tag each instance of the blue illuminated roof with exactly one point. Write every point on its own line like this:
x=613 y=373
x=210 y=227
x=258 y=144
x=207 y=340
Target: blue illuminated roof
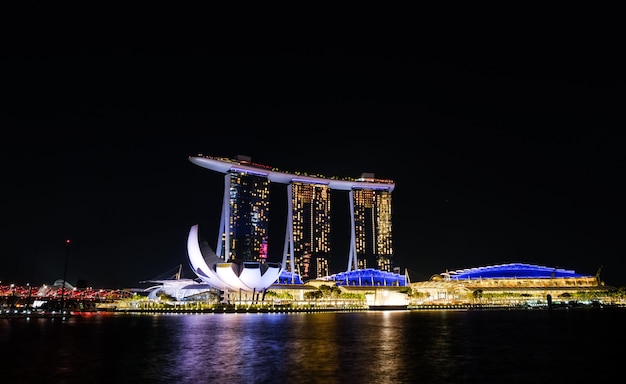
x=510 y=271
x=287 y=277
x=370 y=277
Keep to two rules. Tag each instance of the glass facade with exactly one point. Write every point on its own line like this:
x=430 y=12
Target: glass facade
x=311 y=229
x=249 y=217
x=372 y=224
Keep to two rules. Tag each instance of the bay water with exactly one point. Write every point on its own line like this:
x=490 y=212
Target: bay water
x=402 y=346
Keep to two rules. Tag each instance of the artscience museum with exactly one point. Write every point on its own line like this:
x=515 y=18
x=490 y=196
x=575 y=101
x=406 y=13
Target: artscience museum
x=247 y=276
x=248 y=280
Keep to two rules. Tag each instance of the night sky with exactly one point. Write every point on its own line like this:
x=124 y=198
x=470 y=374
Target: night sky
x=505 y=147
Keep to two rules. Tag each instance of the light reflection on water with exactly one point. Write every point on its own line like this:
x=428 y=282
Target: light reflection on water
x=355 y=347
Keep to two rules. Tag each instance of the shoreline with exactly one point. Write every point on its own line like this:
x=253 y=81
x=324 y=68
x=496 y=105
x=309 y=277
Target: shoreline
x=272 y=310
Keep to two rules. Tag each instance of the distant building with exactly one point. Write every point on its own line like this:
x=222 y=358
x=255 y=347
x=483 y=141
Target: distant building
x=515 y=283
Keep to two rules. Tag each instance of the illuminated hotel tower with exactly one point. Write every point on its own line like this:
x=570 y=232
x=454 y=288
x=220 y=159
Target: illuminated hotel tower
x=306 y=251
x=372 y=229
x=311 y=229
x=246 y=213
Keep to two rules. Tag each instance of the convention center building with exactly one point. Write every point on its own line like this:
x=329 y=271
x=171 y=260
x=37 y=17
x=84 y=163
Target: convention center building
x=513 y=283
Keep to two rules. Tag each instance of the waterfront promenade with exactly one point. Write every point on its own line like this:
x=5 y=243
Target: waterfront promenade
x=269 y=309
x=52 y=302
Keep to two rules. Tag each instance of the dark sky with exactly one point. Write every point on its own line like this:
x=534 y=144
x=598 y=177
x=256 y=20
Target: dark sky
x=505 y=147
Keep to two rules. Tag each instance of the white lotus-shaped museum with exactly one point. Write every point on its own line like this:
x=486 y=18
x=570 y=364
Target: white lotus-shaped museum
x=244 y=276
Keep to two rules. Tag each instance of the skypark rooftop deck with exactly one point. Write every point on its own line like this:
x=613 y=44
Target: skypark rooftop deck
x=225 y=165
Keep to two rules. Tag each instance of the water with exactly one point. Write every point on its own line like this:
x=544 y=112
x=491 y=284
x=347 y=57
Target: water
x=504 y=346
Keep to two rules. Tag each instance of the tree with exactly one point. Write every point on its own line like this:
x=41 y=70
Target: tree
x=313 y=295
x=478 y=294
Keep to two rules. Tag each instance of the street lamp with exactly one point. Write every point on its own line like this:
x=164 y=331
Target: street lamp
x=67 y=256
x=30 y=291
x=12 y=296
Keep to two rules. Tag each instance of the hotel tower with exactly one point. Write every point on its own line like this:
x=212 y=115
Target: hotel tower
x=244 y=221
